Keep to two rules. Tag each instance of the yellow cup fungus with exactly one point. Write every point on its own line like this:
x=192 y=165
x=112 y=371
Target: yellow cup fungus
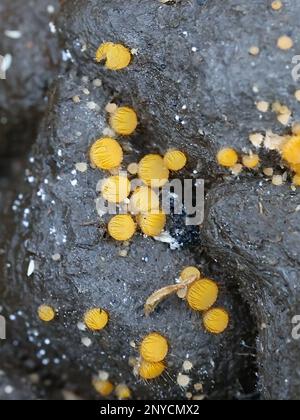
x=106 y=153
x=117 y=56
x=291 y=150
x=46 y=313
x=285 y=42
x=152 y=224
x=202 y=294
x=116 y=189
x=216 y=320
x=251 y=161
x=104 y=388
x=96 y=319
x=296 y=180
x=154 y=348
x=123 y=392
x=122 y=227
x=153 y=171
x=175 y=160
x=144 y=200
x=151 y=370
x=227 y=157
x=124 y=121
x=189 y=272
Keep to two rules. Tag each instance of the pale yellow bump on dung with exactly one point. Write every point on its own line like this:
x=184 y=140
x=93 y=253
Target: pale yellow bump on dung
x=152 y=224
x=123 y=392
x=106 y=153
x=46 y=313
x=124 y=121
x=189 y=272
x=153 y=171
x=122 y=227
x=116 y=189
x=154 y=348
x=117 y=56
x=175 y=160
x=202 y=294
x=104 y=388
x=251 y=161
x=216 y=320
x=96 y=319
x=151 y=370
x=143 y=200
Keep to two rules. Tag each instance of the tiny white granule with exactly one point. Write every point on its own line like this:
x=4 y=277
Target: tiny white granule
x=87 y=342
x=31 y=268
x=13 y=34
x=183 y=380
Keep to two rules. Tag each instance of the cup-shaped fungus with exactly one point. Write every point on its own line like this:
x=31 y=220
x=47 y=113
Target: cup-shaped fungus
x=251 y=161
x=124 y=121
x=227 y=157
x=216 y=320
x=122 y=227
x=116 y=189
x=117 y=56
x=291 y=150
x=96 y=319
x=46 y=313
x=153 y=171
x=123 y=392
x=152 y=224
x=154 y=348
x=151 y=370
x=175 y=160
x=104 y=388
x=189 y=272
x=202 y=294
x=143 y=200
x=106 y=153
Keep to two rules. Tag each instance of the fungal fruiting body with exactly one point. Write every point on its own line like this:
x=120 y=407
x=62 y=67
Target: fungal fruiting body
x=122 y=227
x=251 y=161
x=151 y=370
x=296 y=168
x=216 y=320
x=153 y=171
x=296 y=180
x=189 y=272
x=96 y=319
x=46 y=313
x=175 y=160
x=124 y=121
x=117 y=56
x=227 y=157
x=154 y=348
x=152 y=224
x=202 y=294
x=106 y=154
x=116 y=189
x=104 y=388
x=291 y=150
x=123 y=392
x=285 y=42
x=144 y=200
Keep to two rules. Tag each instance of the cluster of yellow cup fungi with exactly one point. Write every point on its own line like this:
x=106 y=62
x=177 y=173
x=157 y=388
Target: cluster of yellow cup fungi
x=229 y=158
x=105 y=388
x=201 y=296
x=153 y=352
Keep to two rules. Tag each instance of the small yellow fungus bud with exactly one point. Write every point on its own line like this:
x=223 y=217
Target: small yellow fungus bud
x=123 y=392
x=189 y=272
x=202 y=294
x=124 y=121
x=152 y=224
x=96 y=319
x=104 y=388
x=175 y=160
x=46 y=313
x=285 y=42
x=153 y=171
x=133 y=168
x=116 y=55
x=291 y=150
x=106 y=153
x=254 y=50
x=296 y=180
x=150 y=370
x=116 y=189
x=154 y=348
x=276 y=5
x=216 y=320
x=227 y=157
x=144 y=200
x=122 y=227
x=263 y=106
x=251 y=161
